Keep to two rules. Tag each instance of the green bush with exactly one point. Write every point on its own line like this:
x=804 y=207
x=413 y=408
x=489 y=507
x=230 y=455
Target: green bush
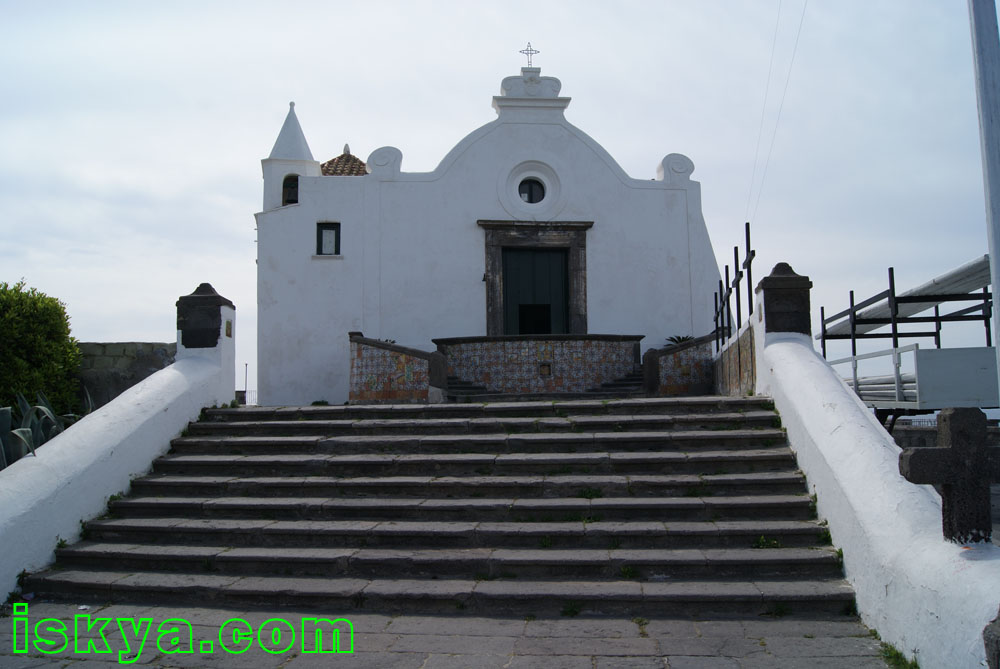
x=37 y=353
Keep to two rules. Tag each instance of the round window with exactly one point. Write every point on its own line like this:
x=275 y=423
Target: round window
x=531 y=191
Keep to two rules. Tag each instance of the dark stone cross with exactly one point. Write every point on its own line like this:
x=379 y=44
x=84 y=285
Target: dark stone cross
x=991 y=639
x=964 y=467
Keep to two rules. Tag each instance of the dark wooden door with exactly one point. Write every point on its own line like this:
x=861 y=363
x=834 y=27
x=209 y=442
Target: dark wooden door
x=535 y=291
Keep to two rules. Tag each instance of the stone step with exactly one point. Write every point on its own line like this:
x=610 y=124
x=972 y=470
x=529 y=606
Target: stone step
x=492 y=425
x=757 y=507
x=555 y=485
x=497 y=597
x=458 y=534
x=513 y=398
x=628 y=406
x=467 y=464
x=481 y=564
x=497 y=443
x=646 y=506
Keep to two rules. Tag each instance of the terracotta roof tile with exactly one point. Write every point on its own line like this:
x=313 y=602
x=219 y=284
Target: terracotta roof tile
x=344 y=165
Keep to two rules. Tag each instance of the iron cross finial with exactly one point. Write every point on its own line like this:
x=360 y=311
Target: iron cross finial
x=529 y=52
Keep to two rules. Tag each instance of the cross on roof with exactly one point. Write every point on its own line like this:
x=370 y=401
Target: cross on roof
x=529 y=52
x=964 y=467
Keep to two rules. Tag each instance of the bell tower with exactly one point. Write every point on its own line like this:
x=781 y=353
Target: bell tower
x=290 y=159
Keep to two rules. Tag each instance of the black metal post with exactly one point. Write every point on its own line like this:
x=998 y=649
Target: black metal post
x=987 y=315
x=893 y=307
x=729 y=311
x=854 y=341
x=715 y=300
x=937 y=326
x=822 y=337
x=746 y=265
x=736 y=286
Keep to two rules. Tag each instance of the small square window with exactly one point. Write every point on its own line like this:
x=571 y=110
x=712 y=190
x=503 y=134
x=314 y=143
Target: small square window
x=328 y=239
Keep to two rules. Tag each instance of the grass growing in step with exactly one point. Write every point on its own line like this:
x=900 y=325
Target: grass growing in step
x=764 y=542
x=893 y=657
x=778 y=610
x=641 y=622
x=628 y=572
x=590 y=493
x=60 y=542
x=824 y=538
x=571 y=609
x=615 y=543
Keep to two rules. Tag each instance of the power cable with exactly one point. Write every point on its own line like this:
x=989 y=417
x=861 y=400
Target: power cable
x=781 y=106
x=763 y=109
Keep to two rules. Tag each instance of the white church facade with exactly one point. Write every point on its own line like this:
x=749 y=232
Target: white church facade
x=526 y=227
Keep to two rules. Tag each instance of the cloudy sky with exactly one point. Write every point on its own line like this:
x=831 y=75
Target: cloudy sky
x=131 y=133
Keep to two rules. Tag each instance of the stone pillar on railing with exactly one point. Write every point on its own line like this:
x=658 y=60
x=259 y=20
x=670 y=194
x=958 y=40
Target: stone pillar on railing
x=782 y=310
x=206 y=329
x=785 y=301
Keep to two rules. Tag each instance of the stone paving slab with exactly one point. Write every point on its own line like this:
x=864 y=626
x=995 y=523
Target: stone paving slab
x=442 y=642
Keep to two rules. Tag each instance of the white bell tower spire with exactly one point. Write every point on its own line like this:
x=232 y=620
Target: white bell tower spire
x=290 y=159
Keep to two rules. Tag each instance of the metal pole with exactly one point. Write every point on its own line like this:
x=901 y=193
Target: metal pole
x=986 y=58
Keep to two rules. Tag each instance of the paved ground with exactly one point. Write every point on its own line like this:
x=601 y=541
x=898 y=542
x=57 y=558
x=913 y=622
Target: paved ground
x=462 y=642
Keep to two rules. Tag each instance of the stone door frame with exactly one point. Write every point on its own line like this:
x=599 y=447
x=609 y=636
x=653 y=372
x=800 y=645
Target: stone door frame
x=571 y=235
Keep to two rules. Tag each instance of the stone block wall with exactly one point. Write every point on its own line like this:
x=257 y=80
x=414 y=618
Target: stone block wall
x=540 y=364
x=385 y=373
x=680 y=370
x=109 y=369
x=735 y=366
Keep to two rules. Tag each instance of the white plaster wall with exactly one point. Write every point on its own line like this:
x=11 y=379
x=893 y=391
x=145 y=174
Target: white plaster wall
x=926 y=596
x=44 y=498
x=414 y=258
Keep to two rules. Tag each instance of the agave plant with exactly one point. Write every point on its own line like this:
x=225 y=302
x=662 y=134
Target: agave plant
x=37 y=424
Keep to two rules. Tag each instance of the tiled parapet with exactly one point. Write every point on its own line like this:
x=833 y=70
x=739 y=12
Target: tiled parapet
x=382 y=372
x=540 y=363
x=683 y=369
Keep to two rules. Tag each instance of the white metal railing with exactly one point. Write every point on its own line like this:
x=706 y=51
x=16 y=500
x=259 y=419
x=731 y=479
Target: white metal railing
x=876 y=386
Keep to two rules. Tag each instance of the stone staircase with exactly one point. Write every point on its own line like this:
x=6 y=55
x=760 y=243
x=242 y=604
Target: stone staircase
x=658 y=506
x=629 y=385
x=459 y=390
